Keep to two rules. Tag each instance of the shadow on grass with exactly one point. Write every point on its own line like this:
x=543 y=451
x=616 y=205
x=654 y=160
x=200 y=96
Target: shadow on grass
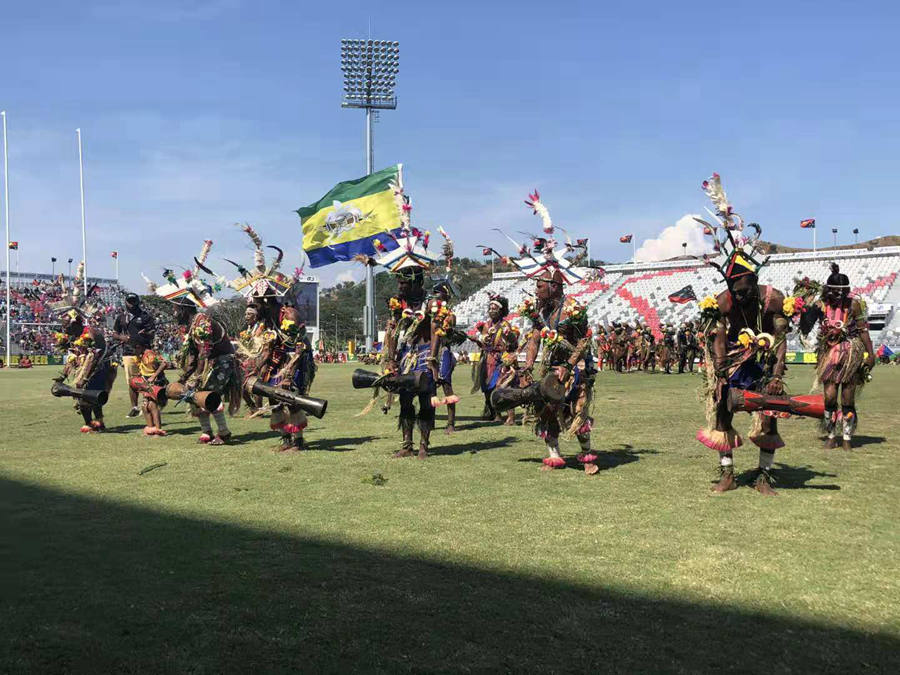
x=606 y=459
x=93 y=586
x=860 y=441
x=340 y=444
x=473 y=447
x=788 y=478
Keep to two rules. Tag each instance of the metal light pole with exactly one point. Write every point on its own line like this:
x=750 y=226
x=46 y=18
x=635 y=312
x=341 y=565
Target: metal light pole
x=370 y=70
x=83 y=231
x=855 y=235
x=70 y=268
x=834 y=235
x=53 y=267
x=6 y=217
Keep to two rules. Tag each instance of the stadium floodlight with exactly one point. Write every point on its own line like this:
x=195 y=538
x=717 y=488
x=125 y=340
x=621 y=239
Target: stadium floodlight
x=370 y=70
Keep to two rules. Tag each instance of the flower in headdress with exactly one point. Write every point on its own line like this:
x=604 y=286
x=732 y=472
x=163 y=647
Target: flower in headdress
x=550 y=337
x=202 y=330
x=85 y=339
x=187 y=275
x=407 y=208
x=574 y=312
x=395 y=304
x=764 y=341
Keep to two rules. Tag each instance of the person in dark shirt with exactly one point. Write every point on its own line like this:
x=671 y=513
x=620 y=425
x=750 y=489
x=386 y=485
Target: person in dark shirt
x=134 y=329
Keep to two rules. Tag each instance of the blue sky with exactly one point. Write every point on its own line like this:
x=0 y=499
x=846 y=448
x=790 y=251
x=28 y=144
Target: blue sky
x=199 y=114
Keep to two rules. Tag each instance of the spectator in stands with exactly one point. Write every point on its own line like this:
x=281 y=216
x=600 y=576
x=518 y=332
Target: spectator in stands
x=134 y=329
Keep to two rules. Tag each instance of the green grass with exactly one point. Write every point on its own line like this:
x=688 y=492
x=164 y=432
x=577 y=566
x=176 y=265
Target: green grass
x=237 y=559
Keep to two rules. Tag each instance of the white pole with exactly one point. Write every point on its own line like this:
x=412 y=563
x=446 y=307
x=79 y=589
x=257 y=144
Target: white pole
x=6 y=216
x=117 y=269
x=83 y=232
x=814 y=237
x=633 y=256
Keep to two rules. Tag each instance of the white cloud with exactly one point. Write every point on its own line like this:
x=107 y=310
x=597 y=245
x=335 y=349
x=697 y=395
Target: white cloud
x=347 y=275
x=669 y=242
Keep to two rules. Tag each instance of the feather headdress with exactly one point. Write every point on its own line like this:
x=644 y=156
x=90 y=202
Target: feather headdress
x=262 y=280
x=545 y=258
x=73 y=297
x=190 y=288
x=739 y=250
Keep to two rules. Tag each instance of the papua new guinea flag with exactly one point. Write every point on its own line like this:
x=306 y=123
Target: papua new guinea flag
x=344 y=222
x=683 y=296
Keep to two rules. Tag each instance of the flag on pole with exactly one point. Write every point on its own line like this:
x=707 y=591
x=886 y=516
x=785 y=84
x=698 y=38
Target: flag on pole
x=345 y=221
x=884 y=351
x=625 y=238
x=115 y=254
x=683 y=296
x=808 y=223
x=13 y=246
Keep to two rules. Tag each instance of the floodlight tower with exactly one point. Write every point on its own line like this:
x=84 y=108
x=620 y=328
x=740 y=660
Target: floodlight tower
x=370 y=70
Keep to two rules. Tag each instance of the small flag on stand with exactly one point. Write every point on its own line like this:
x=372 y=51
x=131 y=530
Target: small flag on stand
x=13 y=246
x=683 y=296
x=808 y=223
x=625 y=238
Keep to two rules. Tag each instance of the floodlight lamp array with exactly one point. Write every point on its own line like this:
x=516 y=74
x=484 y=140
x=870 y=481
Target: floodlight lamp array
x=370 y=70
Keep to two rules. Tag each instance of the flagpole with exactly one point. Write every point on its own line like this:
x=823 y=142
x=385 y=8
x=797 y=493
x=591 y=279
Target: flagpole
x=814 y=237
x=633 y=256
x=6 y=217
x=117 y=269
x=83 y=232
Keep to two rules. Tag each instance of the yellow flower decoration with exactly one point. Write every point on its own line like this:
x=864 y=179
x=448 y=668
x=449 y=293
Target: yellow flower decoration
x=789 y=305
x=709 y=302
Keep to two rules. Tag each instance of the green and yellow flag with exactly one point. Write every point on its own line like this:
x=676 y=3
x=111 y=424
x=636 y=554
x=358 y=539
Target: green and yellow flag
x=344 y=222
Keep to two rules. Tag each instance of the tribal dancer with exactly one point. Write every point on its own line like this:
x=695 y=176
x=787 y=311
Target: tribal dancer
x=250 y=345
x=560 y=326
x=844 y=349
x=447 y=337
x=745 y=348
x=412 y=343
x=206 y=357
x=210 y=365
x=152 y=376
x=88 y=361
x=688 y=347
x=275 y=347
x=666 y=349
x=287 y=362
x=648 y=349
x=499 y=342
x=604 y=345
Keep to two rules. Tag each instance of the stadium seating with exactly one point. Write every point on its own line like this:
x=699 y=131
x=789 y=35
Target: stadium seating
x=641 y=292
x=32 y=323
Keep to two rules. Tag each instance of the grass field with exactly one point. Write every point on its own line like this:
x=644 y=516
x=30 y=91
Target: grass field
x=235 y=559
